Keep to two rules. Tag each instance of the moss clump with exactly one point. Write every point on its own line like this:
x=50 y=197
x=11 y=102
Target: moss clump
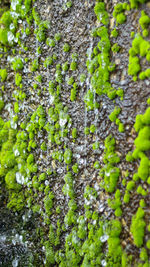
x=144 y=20
x=134 y=66
x=17 y=64
x=137 y=227
x=18 y=79
x=3 y=74
x=114 y=33
x=68 y=156
x=101 y=13
x=110 y=172
x=10 y=180
x=135 y=3
x=50 y=42
x=66 y=47
x=34 y=65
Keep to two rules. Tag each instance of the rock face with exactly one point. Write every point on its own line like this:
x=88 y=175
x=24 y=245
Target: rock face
x=70 y=160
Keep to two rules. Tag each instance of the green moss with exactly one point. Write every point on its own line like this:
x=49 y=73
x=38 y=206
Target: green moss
x=18 y=79
x=142 y=75
x=129 y=157
x=73 y=65
x=97 y=165
x=121 y=127
x=114 y=114
x=115 y=48
x=130 y=185
x=126 y=198
x=141 y=191
x=65 y=66
x=75 y=168
x=142 y=203
x=69 y=4
x=143 y=170
x=3 y=74
x=70 y=80
x=86 y=130
x=138 y=226
x=145 y=33
x=92 y=128
x=17 y=64
x=10 y=180
x=16 y=201
x=134 y=66
x=74 y=133
x=144 y=20
x=95 y=145
x=143 y=254
x=48 y=61
x=35 y=65
x=82 y=78
x=148 y=244
x=57 y=37
x=121 y=18
x=50 y=42
x=44 y=146
x=68 y=156
x=101 y=13
x=66 y=47
x=114 y=33
x=135 y=3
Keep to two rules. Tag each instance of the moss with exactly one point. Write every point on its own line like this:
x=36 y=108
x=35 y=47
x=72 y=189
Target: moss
x=44 y=146
x=3 y=74
x=115 y=48
x=97 y=165
x=75 y=168
x=65 y=66
x=148 y=244
x=142 y=75
x=18 y=79
x=142 y=203
x=50 y=42
x=114 y=114
x=66 y=47
x=57 y=37
x=134 y=66
x=86 y=130
x=130 y=185
x=17 y=64
x=135 y=3
x=144 y=20
x=114 y=33
x=35 y=65
x=92 y=128
x=73 y=65
x=121 y=18
x=68 y=156
x=70 y=80
x=126 y=198
x=143 y=170
x=145 y=33
x=101 y=13
x=74 y=133
x=143 y=254
x=121 y=127
x=69 y=4
x=82 y=78
x=138 y=227
x=141 y=191
x=95 y=145
x=129 y=157
x=16 y=201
